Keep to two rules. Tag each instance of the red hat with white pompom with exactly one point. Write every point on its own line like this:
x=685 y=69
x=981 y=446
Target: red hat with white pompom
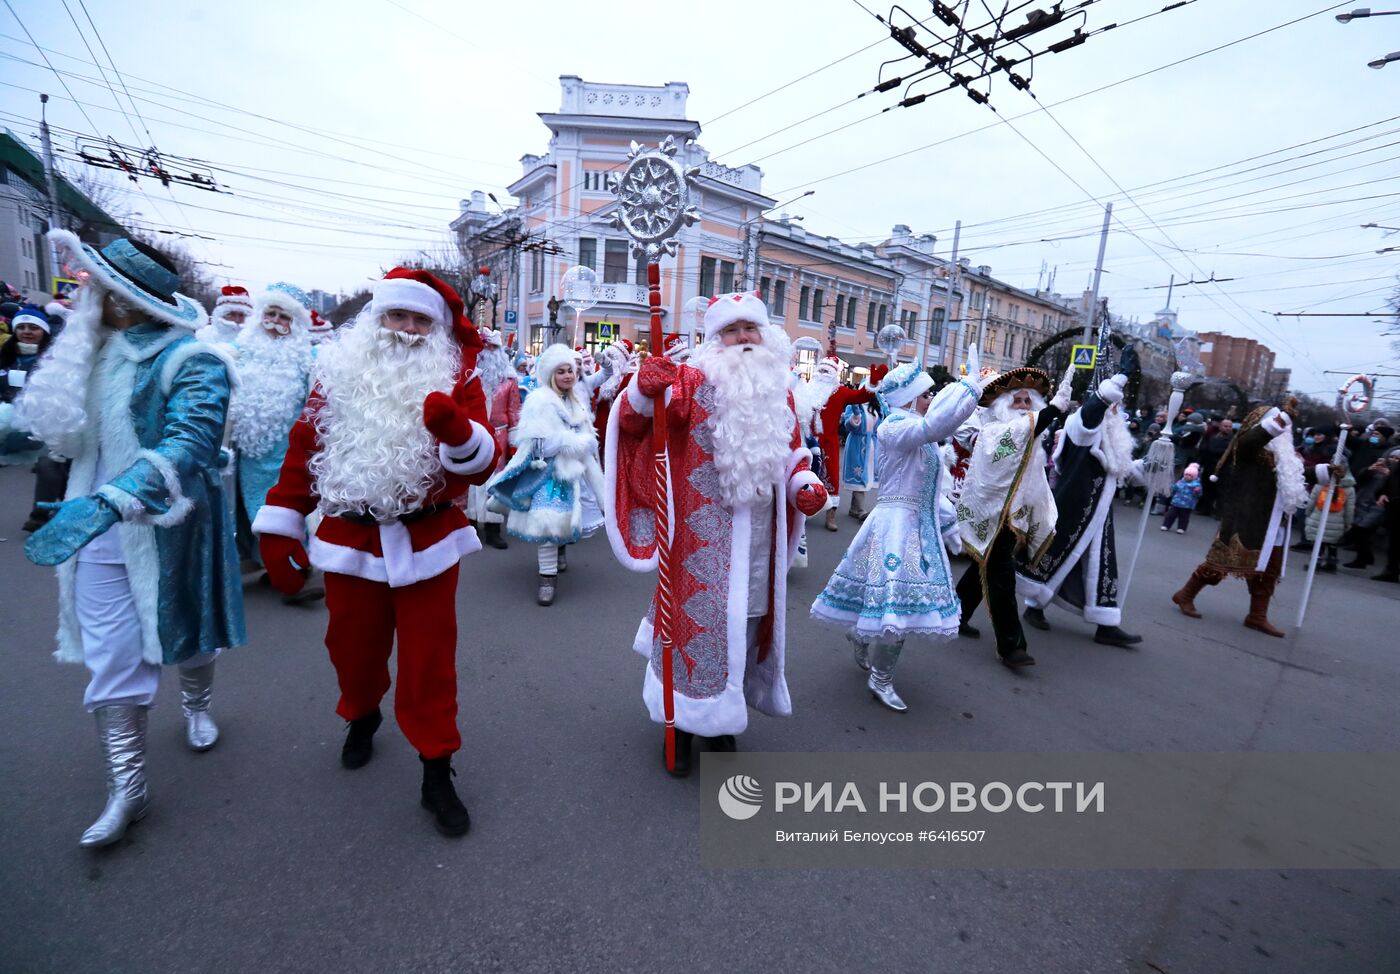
x=726 y=309
x=414 y=290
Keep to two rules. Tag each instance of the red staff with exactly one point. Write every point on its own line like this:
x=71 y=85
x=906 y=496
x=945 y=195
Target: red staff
x=653 y=195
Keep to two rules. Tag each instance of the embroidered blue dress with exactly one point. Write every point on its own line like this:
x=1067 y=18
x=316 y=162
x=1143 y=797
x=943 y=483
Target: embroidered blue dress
x=859 y=469
x=894 y=580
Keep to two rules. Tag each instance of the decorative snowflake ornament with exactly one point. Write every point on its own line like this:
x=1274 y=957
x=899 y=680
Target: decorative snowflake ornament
x=653 y=197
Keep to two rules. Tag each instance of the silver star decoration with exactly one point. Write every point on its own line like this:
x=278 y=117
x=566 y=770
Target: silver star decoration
x=653 y=199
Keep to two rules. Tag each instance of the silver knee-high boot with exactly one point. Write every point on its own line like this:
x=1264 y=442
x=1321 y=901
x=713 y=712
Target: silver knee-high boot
x=862 y=652
x=883 y=657
x=196 y=690
x=122 y=733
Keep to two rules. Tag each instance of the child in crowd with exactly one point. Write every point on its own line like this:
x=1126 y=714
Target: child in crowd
x=1185 y=493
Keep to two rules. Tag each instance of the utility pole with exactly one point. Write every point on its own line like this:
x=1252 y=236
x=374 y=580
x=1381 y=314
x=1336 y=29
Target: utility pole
x=51 y=182
x=1092 y=311
x=953 y=269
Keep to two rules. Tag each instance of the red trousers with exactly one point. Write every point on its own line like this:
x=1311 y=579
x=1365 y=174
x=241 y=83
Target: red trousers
x=364 y=617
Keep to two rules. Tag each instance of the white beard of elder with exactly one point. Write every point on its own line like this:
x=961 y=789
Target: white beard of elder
x=1003 y=412
x=811 y=396
x=376 y=455
x=751 y=419
x=272 y=387
x=493 y=366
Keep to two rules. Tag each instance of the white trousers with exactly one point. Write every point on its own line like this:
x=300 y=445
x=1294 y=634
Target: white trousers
x=549 y=559
x=111 y=635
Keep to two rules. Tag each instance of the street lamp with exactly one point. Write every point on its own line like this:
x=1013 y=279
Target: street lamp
x=1381 y=62
x=1361 y=12
x=484 y=289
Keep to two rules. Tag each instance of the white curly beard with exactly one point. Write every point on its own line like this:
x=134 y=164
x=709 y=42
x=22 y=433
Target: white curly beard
x=376 y=455
x=272 y=389
x=1288 y=473
x=810 y=397
x=1116 y=444
x=52 y=405
x=493 y=367
x=752 y=421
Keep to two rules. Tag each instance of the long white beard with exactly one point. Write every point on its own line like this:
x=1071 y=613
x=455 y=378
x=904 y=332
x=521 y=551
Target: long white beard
x=52 y=405
x=492 y=368
x=1288 y=473
x=376 y=455
x=272 y=389
x=810 y=397
x=752 y=421
x=1116 y=445
x=1001 y=411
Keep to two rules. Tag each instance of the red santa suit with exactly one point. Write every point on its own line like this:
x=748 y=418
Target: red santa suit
x=729 y=626
x=388 y=576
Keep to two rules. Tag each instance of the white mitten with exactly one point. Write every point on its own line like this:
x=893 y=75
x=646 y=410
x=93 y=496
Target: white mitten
x=1062 y=394
x=1111 y=389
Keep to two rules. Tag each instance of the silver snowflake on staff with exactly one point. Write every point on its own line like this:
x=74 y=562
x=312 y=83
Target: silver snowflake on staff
x=653 y=199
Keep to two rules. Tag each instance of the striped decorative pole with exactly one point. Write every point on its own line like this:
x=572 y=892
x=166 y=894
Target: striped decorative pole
x=653 y=194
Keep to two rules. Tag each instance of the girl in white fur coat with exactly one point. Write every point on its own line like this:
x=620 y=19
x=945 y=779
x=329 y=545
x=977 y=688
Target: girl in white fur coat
x=556 y=454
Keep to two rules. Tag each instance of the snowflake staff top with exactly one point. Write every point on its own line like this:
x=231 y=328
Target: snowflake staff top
x=653 y=197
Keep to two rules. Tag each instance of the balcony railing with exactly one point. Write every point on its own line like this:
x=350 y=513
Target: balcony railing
x=622 y=294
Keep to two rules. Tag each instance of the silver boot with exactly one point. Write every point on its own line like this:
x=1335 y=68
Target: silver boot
x=883 y=658
x=196 y=689
x=122 y=733
x=862 y=653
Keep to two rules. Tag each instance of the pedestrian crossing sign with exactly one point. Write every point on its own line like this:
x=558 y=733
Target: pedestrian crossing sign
x=1084 y=356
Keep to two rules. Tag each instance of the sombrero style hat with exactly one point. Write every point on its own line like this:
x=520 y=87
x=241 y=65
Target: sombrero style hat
x=122 y=269
x=1024 y=377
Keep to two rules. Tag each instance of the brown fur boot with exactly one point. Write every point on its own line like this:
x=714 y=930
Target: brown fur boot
x=1261 y=590
x=1186 y=598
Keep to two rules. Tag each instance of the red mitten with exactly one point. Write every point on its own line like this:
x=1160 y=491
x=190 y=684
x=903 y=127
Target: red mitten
x=474 y=402
x=811 y=499
x=286 y=562
x=656 y=376
x=446 y=420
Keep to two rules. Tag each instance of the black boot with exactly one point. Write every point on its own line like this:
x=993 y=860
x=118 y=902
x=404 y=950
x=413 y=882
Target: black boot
x=1017 y=658
x=1114 y=636
x=1035 y=618
x=683 y=742
x=725 y=742
x=439 y=797
x=969 y=631
x=563 y=559
x=492 y=535
x=359 y=740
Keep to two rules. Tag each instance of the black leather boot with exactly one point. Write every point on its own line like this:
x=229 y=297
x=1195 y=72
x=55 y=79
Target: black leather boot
x=359 y=740
x=491 y=534
x=1035 y=618
x=1114 y=636
x=683 y=743
x=439 y=797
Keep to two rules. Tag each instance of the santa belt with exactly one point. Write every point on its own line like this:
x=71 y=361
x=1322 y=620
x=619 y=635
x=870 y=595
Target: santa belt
x=899 y=500
x=355 y=517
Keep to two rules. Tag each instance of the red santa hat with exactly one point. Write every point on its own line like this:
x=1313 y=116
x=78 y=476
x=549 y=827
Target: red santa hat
x=233 y=298
x=415 y=290
x=832 y=364
x=726 y=309
x=626 y=345
x=671 y=341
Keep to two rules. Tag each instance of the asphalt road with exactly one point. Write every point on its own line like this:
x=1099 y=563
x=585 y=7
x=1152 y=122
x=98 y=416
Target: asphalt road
x=264 y=855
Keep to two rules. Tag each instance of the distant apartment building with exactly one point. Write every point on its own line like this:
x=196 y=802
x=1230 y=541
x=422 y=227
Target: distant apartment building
x=1243 y=361
x=815 y=286
x=1280 y=381
x=25 y=257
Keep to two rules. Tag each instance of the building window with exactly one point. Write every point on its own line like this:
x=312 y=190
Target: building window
x=851 y=313
x=726 y=276
x=764 y=291
x=870 y=318
x=803 y=297
x=707 y=276
x=817 y=305
x=641 y=271
x=840 y=309
x=588 y=252
x=779 y=303
x=884 y=310
x=536 y=339
x=614 y=262
x=935 y=327
x=991 y=341
x=536 y=271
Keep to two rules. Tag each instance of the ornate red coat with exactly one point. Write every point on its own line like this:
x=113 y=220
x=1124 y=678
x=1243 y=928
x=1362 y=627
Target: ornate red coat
x=419 y=546
x=830 y=435
x=715 y=679
x=505 y=414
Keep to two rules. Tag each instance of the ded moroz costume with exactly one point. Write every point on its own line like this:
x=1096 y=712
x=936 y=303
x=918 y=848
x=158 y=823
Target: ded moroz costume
x=147 y=572
x=232 y=309
x=740 y=484
x=1080 y=567
x=1261 y=485
x=394 y=430
x=1006 y=512
x=497 y=374
x=894 y=581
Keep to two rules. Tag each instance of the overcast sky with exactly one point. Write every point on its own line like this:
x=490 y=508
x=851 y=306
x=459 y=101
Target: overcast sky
x=414 y=103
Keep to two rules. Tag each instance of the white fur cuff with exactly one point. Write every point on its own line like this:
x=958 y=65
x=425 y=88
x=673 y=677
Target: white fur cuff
x=272 y=519
x=799 y=480
x=639 y=402
x=126 y=505
x=470 y=457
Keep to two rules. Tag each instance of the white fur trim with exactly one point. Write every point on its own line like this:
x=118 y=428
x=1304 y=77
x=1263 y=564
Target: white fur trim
x=473 y=456
x=401 y=566
x=272 y=519
x=642 y=403
x=609 y=495
x=180 y=505
x=406 y=294
x=301 y=315
x=171 y=366
x=729 y=308
x=153 y=306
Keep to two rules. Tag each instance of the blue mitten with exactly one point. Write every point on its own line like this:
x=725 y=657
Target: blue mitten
x=75 y=524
